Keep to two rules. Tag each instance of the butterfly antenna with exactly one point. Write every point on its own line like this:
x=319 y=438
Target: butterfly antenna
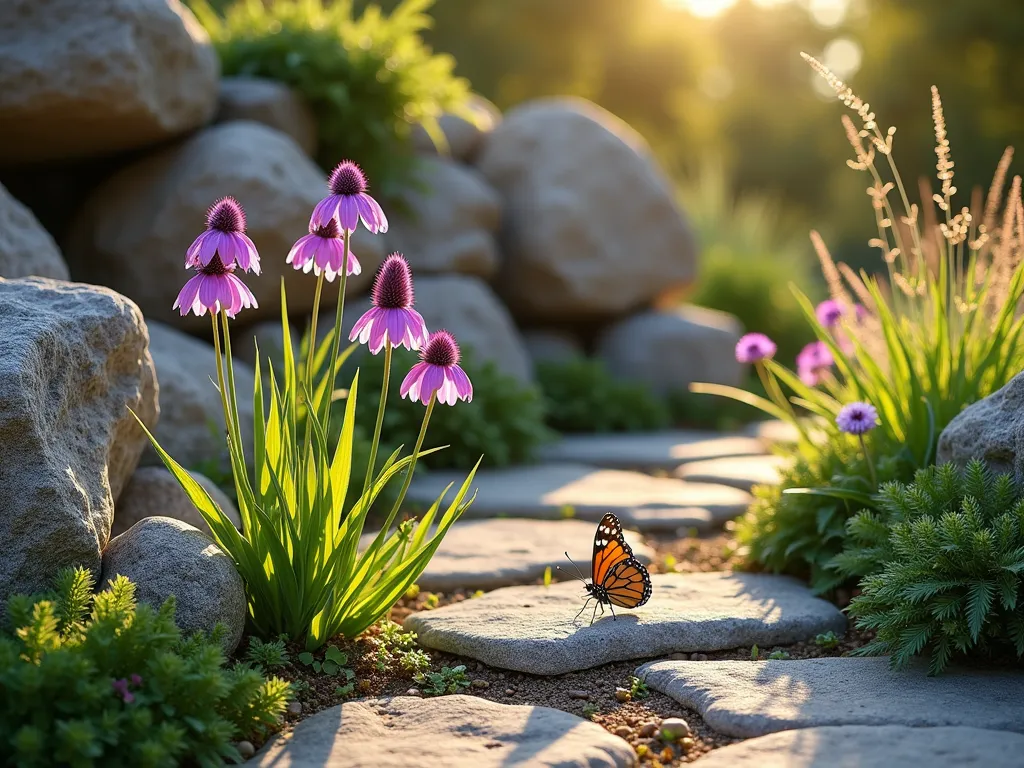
x=578 y=571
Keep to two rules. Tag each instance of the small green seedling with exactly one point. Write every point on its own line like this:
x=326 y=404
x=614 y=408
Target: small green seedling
x=670 y=563
x=567 y=511
x=547 y=576
x=478 y=593
x=589 y=710
x=828 y=640
x=778 y=655
x=433 y=599
x=414 y=661
x=755 y=653
x=267 y=656
x=333 y=664
x=449 y=680
x=412 y=592
x=637 y=689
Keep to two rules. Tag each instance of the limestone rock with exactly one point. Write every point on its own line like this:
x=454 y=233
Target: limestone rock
x=133 y=231
x=79 y=79
x=550 y=346
x=991 y=429
x=591 y=228
x=165 y=557
x=271 y=103
x=448 y=221
x=73 y=361
x=26 y=249
x=154 y=492
x=464 y=137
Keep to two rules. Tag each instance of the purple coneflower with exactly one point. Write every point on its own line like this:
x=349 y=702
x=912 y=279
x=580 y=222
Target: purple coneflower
x=348 y=202
x=754 y=347
x=224 y=237
x=438 y=372
x=136 y=680
x=813 y=360
x=215 y=287
x=121 y=688
x=829 y=313
x=392 y=318
x=323 y=250
x=857 y=418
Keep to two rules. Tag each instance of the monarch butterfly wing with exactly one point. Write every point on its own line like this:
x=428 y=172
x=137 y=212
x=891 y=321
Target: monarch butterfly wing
x=628 y=584
x=610 y=548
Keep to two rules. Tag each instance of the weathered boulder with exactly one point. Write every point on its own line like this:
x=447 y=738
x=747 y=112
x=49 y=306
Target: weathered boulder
x=26 y=249
x=464 y=137
x=669 y=349
x=133 y=231
x=991 y=429
x=590 y=225
x=80 y=79
x=165 y=557
x=448 y=221
x=191 y=426
x=552 y=346
x=271 y=103
x=154 y=492
x=73 y=361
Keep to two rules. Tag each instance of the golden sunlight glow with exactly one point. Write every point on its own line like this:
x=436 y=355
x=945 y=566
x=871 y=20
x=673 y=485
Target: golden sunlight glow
x=703 y=8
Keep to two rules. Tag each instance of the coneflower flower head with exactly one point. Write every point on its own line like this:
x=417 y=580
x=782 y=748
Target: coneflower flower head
x=829 y=313
x=348 y=202
x=754 y=347
x=392 y=318
x=438 y=372
x=215 y=287
x=857 y=418
x=323 y=250
x=224 y=238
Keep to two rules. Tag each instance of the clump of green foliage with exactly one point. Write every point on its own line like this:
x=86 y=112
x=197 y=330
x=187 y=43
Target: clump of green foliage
x=449 y=680
x=394 y=647
x=580 y=395
x=504 y=423
x=367 y=78
x=638 y=688
x=96 y=679
x=946 y=555
x=827 y=640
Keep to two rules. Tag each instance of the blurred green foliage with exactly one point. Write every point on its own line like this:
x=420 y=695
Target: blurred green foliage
x=367 y=77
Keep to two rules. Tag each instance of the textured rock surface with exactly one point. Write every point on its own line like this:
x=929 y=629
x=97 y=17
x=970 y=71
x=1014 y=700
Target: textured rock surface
x=165 y=557
x=531 y=629
x=855 y=746
x=448 y=221
x=270 y=102
x=192 y=418
x=544 y=491
x=552 y=346
x=154 y=492
x=649 y=450
x=670 y=349
x=487 y=554
x=26 y=248
x=464 y=137
x=133 y=231
x=444 y=732
x=742 y=698
x=591 y=228
x=991 y=429
x=127 y=73
x=737 y=471
x=73 y=362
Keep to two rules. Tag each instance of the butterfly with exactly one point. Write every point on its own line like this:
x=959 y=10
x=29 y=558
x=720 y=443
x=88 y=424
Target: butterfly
x=617 y=578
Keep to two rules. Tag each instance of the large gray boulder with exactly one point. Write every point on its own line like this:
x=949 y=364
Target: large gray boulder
x=991 y=429
x=270 y=102
x=26 y=249
x=79 y=79
x=591 y=228
x=155 y=492
x=133 y=231
x=165 y=557
x=73 y=362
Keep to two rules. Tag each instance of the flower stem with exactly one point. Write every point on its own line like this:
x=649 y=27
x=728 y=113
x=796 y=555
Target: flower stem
x=376 y=430
x=312 y=336
x=337 y=333
x=228 y=422
x=867 y=458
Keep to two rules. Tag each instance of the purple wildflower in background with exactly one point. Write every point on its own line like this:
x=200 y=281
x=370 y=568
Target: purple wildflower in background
x=348 y=202
x=136 y=680
x=224 y=238
x=438 y=372
x=857 y=418
x=829 y=313
x=813 y=360
x=121 y=688
x=323 y=250
x=754 y=347
x=215 y=287
x=860 y=313
x=392 y=318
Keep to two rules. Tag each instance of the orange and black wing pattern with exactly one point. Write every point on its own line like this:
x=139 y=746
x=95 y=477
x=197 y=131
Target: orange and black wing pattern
x=614 y=569
x=610 y=548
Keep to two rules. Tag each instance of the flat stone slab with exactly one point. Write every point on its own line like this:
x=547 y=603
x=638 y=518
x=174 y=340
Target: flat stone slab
x=748 y=698
x=444 y=732
x=531 y=629
x=487 y=554
x=860 y=746
x=650 y=450
x=550 y=491
x=743 y=472
x=773 y=432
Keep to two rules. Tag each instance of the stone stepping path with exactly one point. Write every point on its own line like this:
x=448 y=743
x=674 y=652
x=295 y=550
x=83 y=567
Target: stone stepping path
x=530 y=629
x=745 y=698
x=649 y=450
x=772 y=432
x=487 y=554
x=549 y=491
x=858 y=746
x=444 y=732
x=743 y=472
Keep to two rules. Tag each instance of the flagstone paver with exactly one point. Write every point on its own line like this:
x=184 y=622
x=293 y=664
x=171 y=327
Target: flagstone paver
x=746 y=698
x=859 y=746
x=552 y=491
x=444 y=732
x=743 y=472
x=650 y=450
x=531 y=629
x=772 y=432
x=487 y=554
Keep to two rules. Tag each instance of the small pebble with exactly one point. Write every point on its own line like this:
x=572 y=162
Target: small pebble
x=624 y=731
x=622 y=694
x=481 y=684
x=509 y=692
x=667 y=754
x=295 y=708
x=579 y=695
x=245 y=749
x=698 y=657
x=687 y=744
x=414 y=692
x=674 y=729
x=648 y=729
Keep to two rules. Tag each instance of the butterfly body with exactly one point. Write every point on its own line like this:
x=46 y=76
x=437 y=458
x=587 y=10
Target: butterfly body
x=617 y=578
